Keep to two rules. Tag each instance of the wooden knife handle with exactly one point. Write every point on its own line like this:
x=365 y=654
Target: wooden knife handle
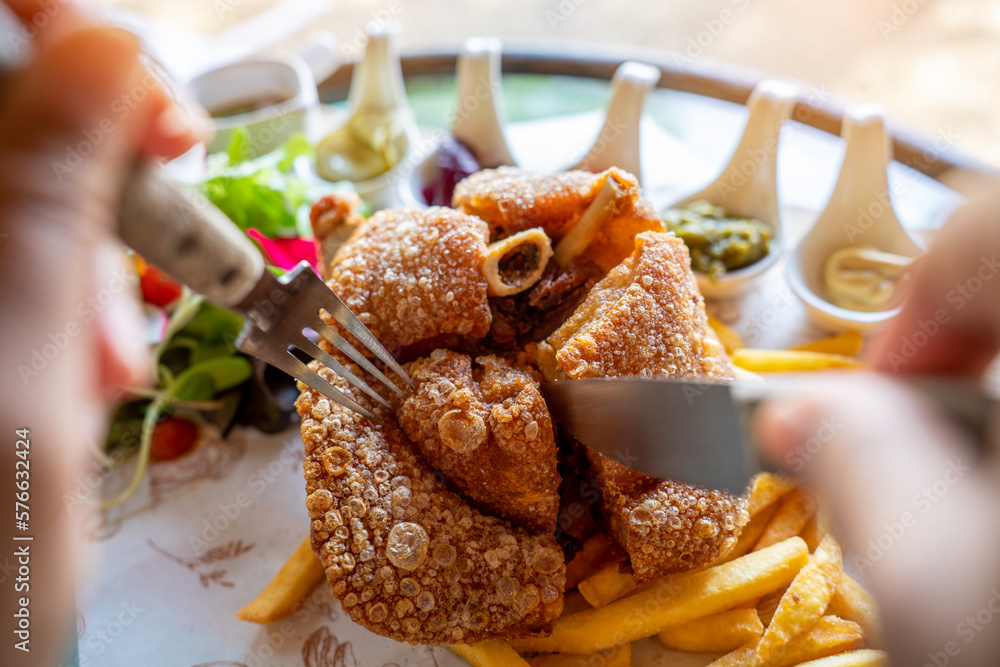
x=179 y=231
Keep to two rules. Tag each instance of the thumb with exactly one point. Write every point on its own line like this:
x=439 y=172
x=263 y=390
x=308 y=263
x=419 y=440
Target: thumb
x=916 y=518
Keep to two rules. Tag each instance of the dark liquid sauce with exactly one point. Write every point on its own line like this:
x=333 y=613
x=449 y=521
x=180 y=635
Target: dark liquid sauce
x=247 y=106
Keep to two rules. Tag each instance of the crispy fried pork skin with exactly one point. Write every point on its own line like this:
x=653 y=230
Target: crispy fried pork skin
x=411 y=275
x=647 y=318
x=667 y=527
x=511 y=200
x=486 y=428
x=616 y=239
x=406 y=555
x=334 y=218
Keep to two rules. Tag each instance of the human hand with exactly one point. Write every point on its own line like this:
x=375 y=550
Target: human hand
x=71 y=124
x=917 y=515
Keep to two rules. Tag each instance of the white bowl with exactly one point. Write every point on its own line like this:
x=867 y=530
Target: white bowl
x=286 y=80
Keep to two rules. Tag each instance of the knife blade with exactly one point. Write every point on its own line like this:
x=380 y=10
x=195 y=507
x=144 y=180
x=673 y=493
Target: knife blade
x=699 y=432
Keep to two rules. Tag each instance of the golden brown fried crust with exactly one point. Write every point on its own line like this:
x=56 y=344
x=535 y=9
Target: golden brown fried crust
x=616 y=239
x=334 y=218
x=667 y=527
x=489 y=430
x=511 y=200
x=414 y=275
x=407 y=556
x=647 y=318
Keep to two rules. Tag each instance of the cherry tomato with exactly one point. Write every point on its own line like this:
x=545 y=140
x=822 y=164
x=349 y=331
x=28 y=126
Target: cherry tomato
x=157 y=287
x=172 y=438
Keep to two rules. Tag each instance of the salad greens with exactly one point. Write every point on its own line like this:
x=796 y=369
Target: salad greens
x=201 y=376
x=268 y=193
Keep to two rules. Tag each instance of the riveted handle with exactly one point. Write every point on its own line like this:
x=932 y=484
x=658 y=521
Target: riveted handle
x=181 y=232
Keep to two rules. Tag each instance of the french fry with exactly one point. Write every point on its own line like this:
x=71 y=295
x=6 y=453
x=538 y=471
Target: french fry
x=673 y=601
x=718 y=633
x=789 y=361
x=745 y=656
x=862 y=658
x=790 y=518
x=806 y=599
x=847 y=344
x=766 y=489
x=749 y=535
x=729 y=338
x=597 y=551
x=830 y=636
x=606 y=585
x=816 y=528
x=852 y=602
x=619 y=656
x=283 y=594
x=767 y=605
x=490 y=653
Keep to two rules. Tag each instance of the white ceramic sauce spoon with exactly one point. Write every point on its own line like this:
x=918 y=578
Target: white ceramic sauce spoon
x=618 y=143
x=480 y=116
x=859 y=213
x=748 y=186
x=377 y=91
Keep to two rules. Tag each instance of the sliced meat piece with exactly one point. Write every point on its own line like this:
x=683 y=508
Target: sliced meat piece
x=488 y=430
x=647 y=318
x=334 y=218
x=667 y=527
x=405 y=554
x=414 y=275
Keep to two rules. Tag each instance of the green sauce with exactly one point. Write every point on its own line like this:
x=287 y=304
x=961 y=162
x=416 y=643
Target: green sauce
x=717 y=241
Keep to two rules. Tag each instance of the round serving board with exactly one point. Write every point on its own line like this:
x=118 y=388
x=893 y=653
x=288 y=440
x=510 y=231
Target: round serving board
x=210 y=529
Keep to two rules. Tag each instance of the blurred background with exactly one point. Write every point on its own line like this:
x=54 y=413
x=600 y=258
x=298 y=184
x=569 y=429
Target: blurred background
x=933 y=63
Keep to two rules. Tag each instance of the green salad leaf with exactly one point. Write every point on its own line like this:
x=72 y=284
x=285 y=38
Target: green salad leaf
x=265 y=193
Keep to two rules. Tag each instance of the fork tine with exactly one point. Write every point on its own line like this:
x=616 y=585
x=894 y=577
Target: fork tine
x=314 y=380
x=337 y=309
x=319 y=355
x=338 y=341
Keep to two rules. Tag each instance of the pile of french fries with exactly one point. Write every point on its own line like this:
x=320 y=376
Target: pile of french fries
x=779 y=598
x=833 y=352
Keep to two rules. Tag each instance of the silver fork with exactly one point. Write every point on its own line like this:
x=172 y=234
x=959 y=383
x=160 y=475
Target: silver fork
x=182 y=233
